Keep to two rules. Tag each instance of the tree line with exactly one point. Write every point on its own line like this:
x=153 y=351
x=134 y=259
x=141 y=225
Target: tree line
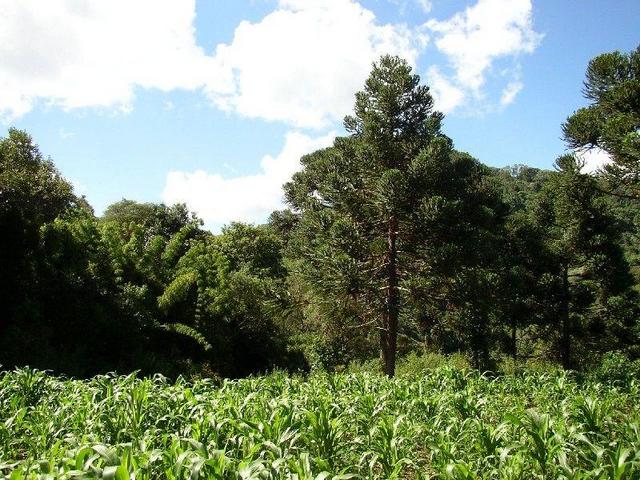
x=393 y=241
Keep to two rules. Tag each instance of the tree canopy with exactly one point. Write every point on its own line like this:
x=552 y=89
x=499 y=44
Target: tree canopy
x=393 y=242
x=612 y=120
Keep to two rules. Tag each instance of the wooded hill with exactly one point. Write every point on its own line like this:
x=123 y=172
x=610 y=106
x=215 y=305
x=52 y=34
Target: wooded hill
x=393 y=242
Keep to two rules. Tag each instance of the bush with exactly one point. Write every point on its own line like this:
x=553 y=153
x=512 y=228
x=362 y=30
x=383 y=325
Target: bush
x=372 y=365
x=616 y=369
x=412 y=364
x=506 y=366
x=415 y=364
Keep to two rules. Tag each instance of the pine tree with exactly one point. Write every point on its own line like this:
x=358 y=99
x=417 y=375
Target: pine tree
x=389 y=209
x=585 y=241
x=612 y=121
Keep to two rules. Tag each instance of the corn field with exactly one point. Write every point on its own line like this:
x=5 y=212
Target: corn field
x=447 y=424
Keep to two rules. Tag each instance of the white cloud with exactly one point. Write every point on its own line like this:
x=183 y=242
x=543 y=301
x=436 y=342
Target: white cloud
x=474 y=39
x=445 y=94
x=64 y=134
x=510 y=92
x=78 y=54
x=425 y=5
x=79 y=188
x=219 y=200
x=594 y=159
x=302 y=63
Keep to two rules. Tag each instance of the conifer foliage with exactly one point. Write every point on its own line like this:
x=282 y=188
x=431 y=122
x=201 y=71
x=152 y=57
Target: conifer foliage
x=392 y=209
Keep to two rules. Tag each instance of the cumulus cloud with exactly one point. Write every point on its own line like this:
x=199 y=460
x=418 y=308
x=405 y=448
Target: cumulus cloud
x=78 y=54
x=251 y=198
x=302 y=63
x=474 y=39
x=446 y=95
x=510 y=92
x=594 y=159
x=425 y=5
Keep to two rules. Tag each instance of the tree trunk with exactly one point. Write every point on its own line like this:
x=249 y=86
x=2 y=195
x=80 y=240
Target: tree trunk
x=565 y=342
x=389 y=334
x=383 y=342
x=514 y=339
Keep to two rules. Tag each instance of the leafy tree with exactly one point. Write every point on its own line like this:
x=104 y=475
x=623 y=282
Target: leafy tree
x=143 y=265
x=256 y=249
x=585 y=240
x=393 y=241
x=78 y=317
x=282 y=223
x=198 y=290
x=156 y=219
x=612 y=120
x=391 y=203
x=226 y=292
x=80 y=296
x=612 y=123
x=32 y=193
x=524 y=300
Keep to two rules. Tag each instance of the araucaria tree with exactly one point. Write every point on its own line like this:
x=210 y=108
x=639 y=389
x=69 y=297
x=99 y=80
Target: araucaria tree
x=612 y=120
x=583 y=239
x=389 y=214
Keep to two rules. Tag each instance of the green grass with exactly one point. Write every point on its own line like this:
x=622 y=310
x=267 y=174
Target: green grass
x=447 y=423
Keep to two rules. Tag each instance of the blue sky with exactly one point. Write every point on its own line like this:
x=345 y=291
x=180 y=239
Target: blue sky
x=212 y=102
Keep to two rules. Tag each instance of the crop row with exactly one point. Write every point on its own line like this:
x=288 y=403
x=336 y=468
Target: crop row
x=449 y=423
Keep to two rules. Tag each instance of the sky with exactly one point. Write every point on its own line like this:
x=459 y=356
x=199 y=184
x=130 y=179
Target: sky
x=213 y=102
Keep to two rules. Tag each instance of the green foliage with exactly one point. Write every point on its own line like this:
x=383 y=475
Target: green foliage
x=395 y=244
x=414 y=365
x=454 y=423
x=584 y=240
x=157 y=219
x=393 y=208
x=142 y=288
x=616 y=369
x=187 y=331
x=32 y=193
x=612 y=120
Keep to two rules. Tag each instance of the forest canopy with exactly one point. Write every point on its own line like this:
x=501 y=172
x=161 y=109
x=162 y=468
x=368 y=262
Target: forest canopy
x=393 y=242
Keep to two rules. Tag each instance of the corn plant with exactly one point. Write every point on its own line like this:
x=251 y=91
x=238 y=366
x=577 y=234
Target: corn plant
x=448 y=424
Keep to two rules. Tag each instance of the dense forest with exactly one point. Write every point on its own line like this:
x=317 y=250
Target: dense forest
x=393 y=242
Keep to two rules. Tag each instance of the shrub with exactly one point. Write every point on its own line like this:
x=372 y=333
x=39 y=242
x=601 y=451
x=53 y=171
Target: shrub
x=615 y=368
x=413 y=364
